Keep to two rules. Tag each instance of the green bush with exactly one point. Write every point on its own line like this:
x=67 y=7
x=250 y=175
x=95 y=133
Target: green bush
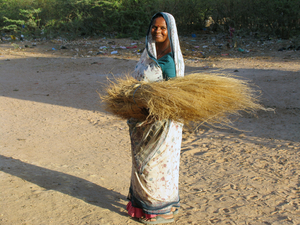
x=278 y=17
x=130 y=18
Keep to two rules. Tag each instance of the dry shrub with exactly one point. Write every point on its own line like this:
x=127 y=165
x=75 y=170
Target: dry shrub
x=209 y=98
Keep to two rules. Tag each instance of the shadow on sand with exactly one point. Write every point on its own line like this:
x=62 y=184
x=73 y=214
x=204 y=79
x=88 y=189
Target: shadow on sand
x=64 y=183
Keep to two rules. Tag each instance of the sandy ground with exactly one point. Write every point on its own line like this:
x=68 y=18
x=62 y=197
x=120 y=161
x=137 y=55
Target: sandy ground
x=65 y=161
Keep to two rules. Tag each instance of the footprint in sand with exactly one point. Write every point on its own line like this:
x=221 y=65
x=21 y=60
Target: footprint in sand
x=226 y=210
x=252 y=197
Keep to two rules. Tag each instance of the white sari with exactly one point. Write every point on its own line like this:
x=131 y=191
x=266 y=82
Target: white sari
x=156 y=146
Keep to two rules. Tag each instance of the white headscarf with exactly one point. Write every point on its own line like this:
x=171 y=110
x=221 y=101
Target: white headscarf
x=147 y=68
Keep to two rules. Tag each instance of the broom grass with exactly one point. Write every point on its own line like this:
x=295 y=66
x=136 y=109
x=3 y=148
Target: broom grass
x=208 y=98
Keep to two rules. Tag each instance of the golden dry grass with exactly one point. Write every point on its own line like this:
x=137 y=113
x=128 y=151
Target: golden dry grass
x=201 y=97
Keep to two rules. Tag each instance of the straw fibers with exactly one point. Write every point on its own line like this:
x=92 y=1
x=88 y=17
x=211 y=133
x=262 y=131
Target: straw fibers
x=209 y=98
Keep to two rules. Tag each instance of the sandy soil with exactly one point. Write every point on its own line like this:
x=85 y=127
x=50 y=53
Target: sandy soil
x=66 y=161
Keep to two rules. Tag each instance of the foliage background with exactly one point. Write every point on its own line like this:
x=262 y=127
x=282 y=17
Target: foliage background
x=130 y=18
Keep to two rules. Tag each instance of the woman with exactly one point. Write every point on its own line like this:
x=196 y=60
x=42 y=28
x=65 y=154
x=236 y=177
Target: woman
x=156 y=146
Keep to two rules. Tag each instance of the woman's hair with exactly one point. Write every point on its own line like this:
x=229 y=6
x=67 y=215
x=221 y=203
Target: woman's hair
x=157 y=16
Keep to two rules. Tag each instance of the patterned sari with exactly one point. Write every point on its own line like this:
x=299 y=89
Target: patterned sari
x=156 y=146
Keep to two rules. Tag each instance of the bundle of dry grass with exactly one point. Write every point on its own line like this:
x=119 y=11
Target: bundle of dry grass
x=198 y=97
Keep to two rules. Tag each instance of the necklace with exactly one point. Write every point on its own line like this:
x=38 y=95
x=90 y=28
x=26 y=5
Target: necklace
x=163 y=51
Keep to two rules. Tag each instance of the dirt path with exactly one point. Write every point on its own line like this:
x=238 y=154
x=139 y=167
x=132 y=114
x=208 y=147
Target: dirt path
x=65 y=161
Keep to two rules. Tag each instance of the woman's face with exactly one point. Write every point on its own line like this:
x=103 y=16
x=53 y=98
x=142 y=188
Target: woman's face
x=159 y=30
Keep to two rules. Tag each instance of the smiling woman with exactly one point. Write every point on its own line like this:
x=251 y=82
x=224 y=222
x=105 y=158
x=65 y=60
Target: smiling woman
x=153 y=193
